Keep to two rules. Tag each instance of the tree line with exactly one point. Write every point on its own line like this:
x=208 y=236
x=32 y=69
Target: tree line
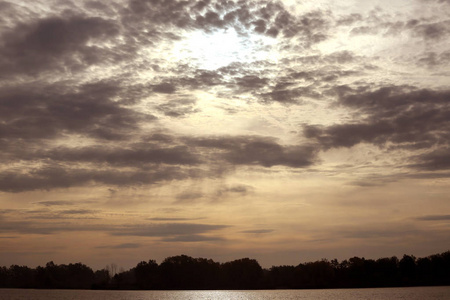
x=184 y=272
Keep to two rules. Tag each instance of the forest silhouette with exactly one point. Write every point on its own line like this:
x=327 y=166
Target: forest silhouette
x=187 y=273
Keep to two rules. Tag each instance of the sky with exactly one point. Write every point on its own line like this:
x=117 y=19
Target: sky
x=285 y=131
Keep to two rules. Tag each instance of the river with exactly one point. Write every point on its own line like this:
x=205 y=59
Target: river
x=413 y=293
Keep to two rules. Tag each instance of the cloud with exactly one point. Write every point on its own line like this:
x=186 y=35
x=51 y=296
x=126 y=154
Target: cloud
x=27 y=227
x=55 y=203
x=434 y=218
x=268 y=154
x=254 y=150
x=188 y=196
x=167 y=229
x=433 y=161
x=402 y=116
x=55 y=43
x=434 y=60
x=288 y=96
x=267 y=18
x=172 y=219
x=193 y=238
x=178 y=108
x=121 y=246
x=187 y=231
x=48 y=178
x=233 y=190
x=165 y=88
x=148 y=163
x=250 y=82
x=348 y=20
x=78 y=211
x=384 y=24
x=49 y=111
x=135 y=155
x=257 y=231
x=433 y=31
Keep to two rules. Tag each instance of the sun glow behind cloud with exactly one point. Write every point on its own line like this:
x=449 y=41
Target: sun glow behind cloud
x=220 y=48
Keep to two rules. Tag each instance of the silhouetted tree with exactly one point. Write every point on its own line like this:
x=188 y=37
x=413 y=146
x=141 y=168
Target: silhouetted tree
x=101 y=279
x=4 y=278
x=407 y=266
x=242 y=273
x=282 y=277
x=386 y=272
x=319 y=274
x=185 y=272
x=125 y=280
x=21 y=277
x=146 y=274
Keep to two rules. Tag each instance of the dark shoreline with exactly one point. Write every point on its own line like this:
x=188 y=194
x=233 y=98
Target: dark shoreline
x=187 y=273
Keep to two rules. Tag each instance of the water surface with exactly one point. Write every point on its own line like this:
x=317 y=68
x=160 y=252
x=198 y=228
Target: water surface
x=415 y=293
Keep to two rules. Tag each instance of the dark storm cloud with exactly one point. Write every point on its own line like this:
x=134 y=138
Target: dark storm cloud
x=251 y=82
x=62 y=215
x=435 y=60
x=339 y=57
x=165 y=88
x=434 y=161
x=188 y=196
x=312 y=26
x=233 y=190
x=242 y=78
x=434 y=218
x=268 y=154
x=282 y=96
x=157 y=12
x=254 y=150
x=36 y=113
x=161 y=230
x=168 y=229
x=148 y=163
x=172 y=219
x=402 y=116
x=262 y=17
x=49 y=111
x=27 y=227
x=379 y=22
x=429 y=175
x=47 y=178
x=257 y=231
x=374 y=181
x=433 y=31
x=289 y=95
x=53 y=44
x=72 y=41
x=136 y=155
x=55 y=203
x=193 y=78
x=78 y=211
x=178 y=108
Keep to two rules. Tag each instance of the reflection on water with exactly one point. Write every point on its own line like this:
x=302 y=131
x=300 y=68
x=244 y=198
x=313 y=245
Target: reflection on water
x=419 y=293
